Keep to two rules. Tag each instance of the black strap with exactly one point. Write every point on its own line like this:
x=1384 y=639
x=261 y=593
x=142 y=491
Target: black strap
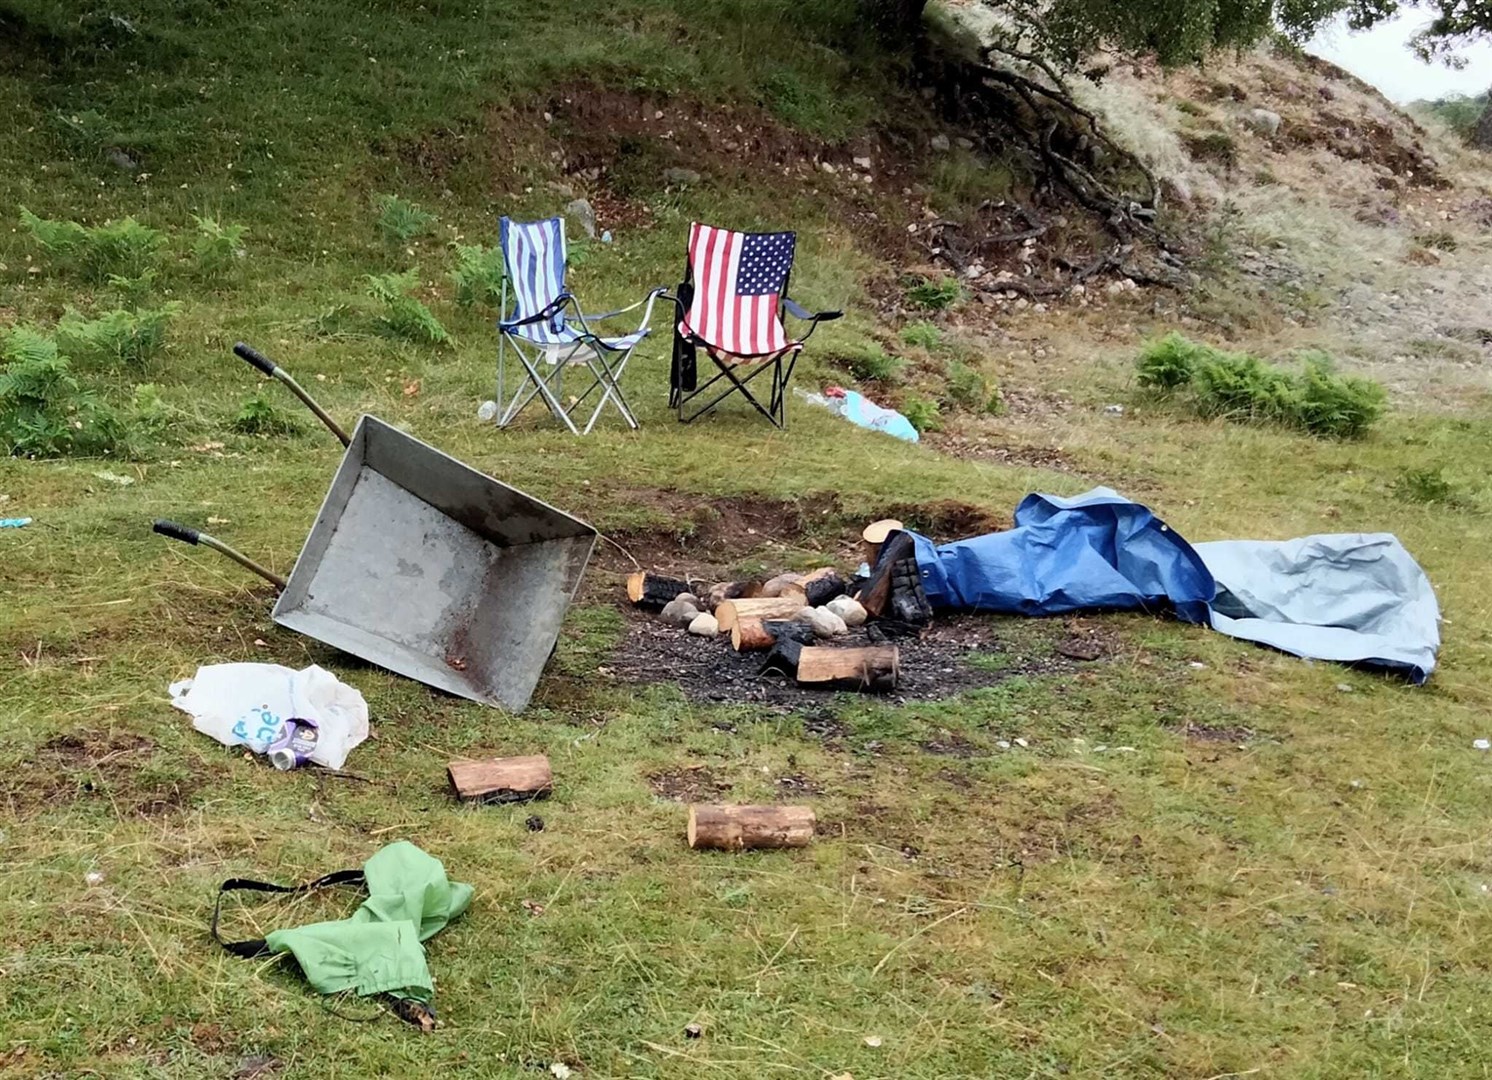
x=256 y=947
x=683 y=375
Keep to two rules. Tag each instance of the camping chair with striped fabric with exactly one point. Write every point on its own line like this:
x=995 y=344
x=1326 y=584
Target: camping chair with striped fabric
x=539 y=332
x=731 y=306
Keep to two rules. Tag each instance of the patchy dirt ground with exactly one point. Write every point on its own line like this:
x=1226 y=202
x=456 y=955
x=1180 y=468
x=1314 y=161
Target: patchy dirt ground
x=935 y=665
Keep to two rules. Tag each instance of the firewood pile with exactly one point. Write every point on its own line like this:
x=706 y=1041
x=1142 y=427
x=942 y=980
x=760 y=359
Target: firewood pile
x=797 y=621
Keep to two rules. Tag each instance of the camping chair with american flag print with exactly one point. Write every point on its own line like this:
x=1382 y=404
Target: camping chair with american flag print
x=539 y=332
x=731 y=306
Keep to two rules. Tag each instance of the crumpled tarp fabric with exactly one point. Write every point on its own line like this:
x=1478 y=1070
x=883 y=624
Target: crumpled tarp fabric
x=1351 y=598
x=378 y=948
x=1096 y=551
x=1356 y=598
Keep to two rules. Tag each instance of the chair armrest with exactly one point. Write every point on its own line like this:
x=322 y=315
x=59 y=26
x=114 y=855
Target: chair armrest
x=548 y=313
x=798 y=311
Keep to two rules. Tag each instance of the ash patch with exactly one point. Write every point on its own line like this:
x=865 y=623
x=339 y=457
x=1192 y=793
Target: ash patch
x=934 y=666
x=691 y=783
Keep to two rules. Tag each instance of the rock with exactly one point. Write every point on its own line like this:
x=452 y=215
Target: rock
x=862 y=163
x=582 y=211
x=120 y=160
x=824 y=622
x=678 y=613
x=849 y=609
x=1263 y=121
x=775 y=586
x=827 y=166
x=688 y=598
x=965 y=144
x=704 y=624
x=680 y=177
x=940 y=143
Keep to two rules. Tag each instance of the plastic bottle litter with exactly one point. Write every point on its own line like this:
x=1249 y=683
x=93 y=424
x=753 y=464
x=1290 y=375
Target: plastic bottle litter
x=487 y=411
x=862 y=412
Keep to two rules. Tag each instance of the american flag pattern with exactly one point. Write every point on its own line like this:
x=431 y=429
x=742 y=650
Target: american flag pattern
x=535 y=254
x=738 y=280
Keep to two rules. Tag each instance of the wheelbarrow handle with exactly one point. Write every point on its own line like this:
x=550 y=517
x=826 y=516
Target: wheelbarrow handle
x=257 y=359
x=188 y=535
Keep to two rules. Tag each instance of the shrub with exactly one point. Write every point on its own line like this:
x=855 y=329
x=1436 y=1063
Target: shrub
x=1170 y=362
x=922 y=334
x=870 y=363
x=923 y=415
x=400 y=220
x=1425 y=486
x=1439 y=240
x=1241 y=387
x=216 y=246
x=404 y=316
x=125 y=247
x=965 y=386
x=133 y=290
x=1340 y=406
x=131 y=338
x=935 y=295
x=43 y=410
x=1216 y=146
x=478 y=275
x=260 y=416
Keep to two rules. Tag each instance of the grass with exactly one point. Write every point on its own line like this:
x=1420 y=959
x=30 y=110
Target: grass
x=1299 y=886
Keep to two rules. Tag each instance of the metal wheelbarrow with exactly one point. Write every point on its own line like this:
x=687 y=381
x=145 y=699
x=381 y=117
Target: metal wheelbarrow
x=423 y=565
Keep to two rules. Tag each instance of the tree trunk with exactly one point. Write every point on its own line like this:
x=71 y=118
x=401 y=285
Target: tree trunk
x=874 y=667
x=741 y=828
x=654 y=590
x=514 y=779
x=765 y=608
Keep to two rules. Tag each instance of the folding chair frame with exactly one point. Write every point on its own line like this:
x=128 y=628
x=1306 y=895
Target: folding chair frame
x=591 y=349
x=780 y=363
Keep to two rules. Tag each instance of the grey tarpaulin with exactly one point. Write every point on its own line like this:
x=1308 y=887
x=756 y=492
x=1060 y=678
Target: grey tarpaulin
x=1352 y=597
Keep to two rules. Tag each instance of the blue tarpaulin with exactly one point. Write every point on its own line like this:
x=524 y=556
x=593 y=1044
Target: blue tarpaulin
x=1351 y=598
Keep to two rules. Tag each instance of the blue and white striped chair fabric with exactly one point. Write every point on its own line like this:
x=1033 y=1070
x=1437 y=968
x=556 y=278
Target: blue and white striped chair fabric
x=546 y=325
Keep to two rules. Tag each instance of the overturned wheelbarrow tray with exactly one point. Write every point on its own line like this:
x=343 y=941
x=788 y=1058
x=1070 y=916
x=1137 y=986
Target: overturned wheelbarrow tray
x=423 y=565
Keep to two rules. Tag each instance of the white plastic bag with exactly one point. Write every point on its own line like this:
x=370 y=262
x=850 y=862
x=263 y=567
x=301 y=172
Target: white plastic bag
x=248 y=705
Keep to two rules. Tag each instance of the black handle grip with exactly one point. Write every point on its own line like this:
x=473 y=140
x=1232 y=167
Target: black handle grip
x=176 y=532
x=255 y=357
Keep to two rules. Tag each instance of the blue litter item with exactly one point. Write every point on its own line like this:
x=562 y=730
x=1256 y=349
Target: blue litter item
x=1097 y=551
x=1355 y=598
x=862 y=412
x=14 y=523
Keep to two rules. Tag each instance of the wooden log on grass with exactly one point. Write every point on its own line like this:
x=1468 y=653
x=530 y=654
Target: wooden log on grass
x=500 y=780
x=872 y=667
x=743 y=828
x=654 y=590
x=781 y=607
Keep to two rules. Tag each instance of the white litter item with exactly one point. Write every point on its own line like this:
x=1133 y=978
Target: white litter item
x=248 y=705
x=1481 y=744
x=487 y=411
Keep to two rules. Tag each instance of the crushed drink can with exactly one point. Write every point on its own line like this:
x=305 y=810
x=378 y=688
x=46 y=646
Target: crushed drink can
x=295 y=745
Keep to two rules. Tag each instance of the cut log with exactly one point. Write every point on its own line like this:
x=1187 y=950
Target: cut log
x=763 y=608
x=653 y=590
x=783 y=659
x=774 y=586
x=743 y=828
x=501 y=780
x=794 y=591
x=874 y=535
x=730 y=590
x=750 y=634
x=873 y=667
x=819 y=589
